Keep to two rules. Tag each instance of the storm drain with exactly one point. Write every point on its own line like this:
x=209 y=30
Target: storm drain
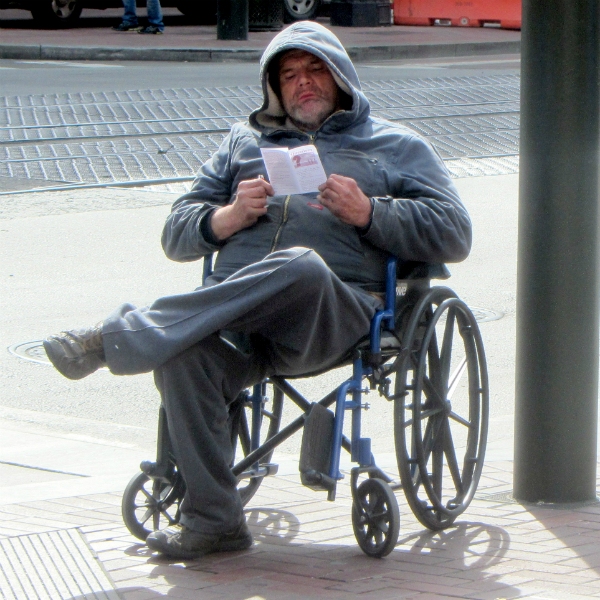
x=56 y=565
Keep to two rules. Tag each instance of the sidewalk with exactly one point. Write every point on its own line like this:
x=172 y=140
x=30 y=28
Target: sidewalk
x=62 y=535
x=20 y=40
x=76 y=546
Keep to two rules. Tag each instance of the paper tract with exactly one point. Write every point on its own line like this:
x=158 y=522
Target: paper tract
x=294 y=171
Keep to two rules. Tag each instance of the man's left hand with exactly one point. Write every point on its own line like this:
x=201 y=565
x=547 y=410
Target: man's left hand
x=343 y=198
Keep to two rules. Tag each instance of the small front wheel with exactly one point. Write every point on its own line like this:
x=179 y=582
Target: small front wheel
x=149 y=505
x=375 y=518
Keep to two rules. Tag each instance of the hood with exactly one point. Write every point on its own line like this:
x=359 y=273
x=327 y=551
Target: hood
x=318 y=40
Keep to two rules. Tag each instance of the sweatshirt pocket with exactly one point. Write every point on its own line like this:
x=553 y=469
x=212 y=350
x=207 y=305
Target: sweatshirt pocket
x=366 y=170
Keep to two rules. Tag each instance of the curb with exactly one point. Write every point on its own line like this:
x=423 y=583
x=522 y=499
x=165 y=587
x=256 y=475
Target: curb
x=357 y=53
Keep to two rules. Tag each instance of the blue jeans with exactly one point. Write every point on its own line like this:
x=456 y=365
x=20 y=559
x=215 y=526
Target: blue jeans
x=154 y=13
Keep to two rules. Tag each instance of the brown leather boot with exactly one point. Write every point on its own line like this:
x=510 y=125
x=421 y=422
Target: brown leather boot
x=77 y=353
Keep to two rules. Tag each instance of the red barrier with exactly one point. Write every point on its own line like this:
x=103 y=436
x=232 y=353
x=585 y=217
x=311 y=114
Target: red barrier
x=460 y=13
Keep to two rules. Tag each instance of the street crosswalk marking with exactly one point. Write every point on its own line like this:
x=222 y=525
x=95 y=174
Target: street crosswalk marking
x=63 y=63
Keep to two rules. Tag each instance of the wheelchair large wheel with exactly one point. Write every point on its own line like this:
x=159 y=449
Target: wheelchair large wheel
x=441 y=408
x=241 y=431
x=375 y=518
x=148 y=505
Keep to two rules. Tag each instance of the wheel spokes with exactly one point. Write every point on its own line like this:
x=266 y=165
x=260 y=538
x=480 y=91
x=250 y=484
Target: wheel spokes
x=450 y=453
x=144 y=519
x=455 y=378
x=244 y=433
x=441 y=406
x=446 y=354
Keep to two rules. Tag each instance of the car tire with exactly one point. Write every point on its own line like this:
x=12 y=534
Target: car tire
x=204 y=12
x=56 y=13
x=300 y=10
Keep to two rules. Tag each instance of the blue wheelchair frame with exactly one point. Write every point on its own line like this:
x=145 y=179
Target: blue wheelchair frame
x=420 y=452
x=359 y=447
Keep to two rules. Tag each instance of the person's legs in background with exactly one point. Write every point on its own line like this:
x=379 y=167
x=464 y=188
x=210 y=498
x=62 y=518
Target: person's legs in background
x=129 y=21
x=155 y=18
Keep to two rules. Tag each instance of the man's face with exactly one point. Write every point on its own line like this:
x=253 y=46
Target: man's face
x=308 y=91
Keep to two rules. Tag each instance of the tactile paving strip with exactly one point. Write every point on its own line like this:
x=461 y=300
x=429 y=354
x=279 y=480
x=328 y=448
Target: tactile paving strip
x=110 y=137
x=107 y=161
x=57 y=565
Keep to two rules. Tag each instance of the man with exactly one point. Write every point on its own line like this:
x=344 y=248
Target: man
x=298 y=277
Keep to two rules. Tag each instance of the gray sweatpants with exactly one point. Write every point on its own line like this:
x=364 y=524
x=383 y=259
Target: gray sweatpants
x=299 y=317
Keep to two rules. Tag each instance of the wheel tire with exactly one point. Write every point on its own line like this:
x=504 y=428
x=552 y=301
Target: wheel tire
x=204 y=12
x=300 y=10
x=145 y=501
x=270 y=422
x=375 y=518
x=56 y=13
x=441 y=408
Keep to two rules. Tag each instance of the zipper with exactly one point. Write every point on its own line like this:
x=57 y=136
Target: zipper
x=284 y=219
x=286 y=204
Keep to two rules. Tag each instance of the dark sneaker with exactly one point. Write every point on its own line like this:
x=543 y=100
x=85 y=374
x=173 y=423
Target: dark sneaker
x=126 y=27
x=186 y=544
x=76 y=354
x=151 y=29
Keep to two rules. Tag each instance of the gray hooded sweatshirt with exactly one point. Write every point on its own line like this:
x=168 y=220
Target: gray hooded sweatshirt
x=417 y=213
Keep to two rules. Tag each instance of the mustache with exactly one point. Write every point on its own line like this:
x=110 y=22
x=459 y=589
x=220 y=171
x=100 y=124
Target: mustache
x=313 y=93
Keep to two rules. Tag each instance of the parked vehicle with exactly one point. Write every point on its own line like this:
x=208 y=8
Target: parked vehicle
x=297 y=10
x=64 y=13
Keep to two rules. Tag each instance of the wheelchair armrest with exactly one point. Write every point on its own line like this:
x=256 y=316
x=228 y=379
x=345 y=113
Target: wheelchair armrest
x=207 y=267
x=385 y=317
x=408 y=272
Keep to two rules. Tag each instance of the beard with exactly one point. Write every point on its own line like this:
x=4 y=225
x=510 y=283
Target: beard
x=311 y=115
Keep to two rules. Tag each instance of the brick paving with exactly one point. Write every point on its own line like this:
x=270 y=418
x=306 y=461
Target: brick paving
x=305 y=548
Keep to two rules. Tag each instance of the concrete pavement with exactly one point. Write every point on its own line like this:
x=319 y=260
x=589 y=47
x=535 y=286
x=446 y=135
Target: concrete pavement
x=62 y=535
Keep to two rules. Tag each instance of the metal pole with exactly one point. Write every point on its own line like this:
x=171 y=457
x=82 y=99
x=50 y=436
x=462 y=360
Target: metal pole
x=557 y=282
x=232 y=19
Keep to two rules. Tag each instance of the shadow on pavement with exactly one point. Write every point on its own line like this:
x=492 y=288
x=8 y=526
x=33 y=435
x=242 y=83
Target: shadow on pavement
x=278 y=566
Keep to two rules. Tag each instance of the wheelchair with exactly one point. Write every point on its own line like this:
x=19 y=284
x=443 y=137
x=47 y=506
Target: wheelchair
x=425 y=357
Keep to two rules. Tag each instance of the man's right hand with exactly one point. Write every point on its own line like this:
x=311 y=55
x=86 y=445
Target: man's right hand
x=250 y=202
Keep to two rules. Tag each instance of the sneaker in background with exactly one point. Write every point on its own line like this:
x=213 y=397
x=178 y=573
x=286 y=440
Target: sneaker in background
x=151 y=29
x=126 y=27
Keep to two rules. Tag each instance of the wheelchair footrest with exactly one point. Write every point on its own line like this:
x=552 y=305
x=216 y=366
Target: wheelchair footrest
x=315 y=451
x=157 y=471
x=317 y=481
x=264 y=470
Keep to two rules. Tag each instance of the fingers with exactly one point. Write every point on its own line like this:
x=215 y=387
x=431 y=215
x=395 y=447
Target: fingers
x=255 y=188
x=338 y=190
x=338 y=184
x=344 y=199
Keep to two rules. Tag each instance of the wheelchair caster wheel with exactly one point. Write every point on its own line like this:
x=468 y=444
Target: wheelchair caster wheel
x=375 y=518
x=149 y=505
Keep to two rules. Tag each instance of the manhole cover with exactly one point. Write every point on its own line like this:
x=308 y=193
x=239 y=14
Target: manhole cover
x=33 y=351
x=482 y=315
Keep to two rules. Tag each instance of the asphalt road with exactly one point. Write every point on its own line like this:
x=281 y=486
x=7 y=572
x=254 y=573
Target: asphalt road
x=24 y=77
